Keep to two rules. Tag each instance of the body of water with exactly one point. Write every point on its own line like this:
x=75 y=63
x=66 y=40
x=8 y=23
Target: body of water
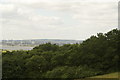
x=15 y=47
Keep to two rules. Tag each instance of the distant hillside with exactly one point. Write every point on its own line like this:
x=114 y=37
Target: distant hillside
x=38 y=41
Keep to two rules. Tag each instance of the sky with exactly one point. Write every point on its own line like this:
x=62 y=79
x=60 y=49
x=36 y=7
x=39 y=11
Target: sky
x=56 y=19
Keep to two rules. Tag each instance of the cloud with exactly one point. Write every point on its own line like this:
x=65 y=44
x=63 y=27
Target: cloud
x=99 y=10
x=18 y=14
x=6 y=8
x=73 y=19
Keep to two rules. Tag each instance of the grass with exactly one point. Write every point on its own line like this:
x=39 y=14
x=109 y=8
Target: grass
x=111 y=75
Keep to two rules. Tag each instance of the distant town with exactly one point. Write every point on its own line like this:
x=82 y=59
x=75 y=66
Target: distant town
x=36 y=42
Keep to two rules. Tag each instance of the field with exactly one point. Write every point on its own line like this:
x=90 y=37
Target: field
x=111 y=75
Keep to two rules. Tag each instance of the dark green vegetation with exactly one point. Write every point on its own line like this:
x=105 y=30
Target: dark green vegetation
x=95 y=56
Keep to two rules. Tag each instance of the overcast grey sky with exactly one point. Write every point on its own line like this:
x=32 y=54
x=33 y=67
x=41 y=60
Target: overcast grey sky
x=56 y=19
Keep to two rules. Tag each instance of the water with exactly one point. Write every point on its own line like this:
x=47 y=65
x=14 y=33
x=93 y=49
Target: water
x=15 y=47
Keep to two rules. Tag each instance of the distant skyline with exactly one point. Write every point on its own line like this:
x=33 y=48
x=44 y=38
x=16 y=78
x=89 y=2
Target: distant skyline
x=56 y=19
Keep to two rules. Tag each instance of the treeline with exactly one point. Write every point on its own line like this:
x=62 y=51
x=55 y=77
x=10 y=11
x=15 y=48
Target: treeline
x=95 y=56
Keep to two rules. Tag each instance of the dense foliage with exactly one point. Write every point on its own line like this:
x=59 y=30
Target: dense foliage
x=97 y=55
